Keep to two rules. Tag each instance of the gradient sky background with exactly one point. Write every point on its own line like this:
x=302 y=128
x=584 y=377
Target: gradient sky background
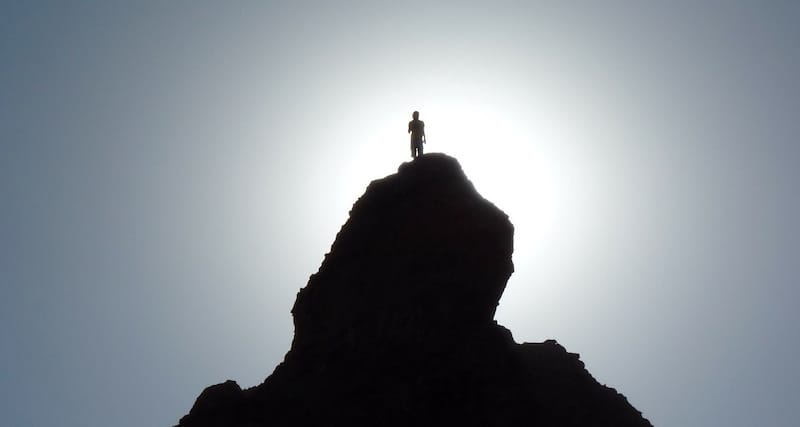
x=172 y=172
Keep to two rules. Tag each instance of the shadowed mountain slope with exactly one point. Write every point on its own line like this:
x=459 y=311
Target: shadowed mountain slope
x=396 y=328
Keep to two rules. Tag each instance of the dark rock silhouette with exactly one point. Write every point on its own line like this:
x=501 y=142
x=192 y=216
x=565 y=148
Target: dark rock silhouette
x=396 y=328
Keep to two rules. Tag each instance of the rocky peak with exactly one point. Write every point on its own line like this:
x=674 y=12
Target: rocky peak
x=396 y=328
x=422 y=252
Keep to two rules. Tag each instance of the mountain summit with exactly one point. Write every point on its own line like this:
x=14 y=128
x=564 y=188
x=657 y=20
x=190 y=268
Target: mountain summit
x=396 y=328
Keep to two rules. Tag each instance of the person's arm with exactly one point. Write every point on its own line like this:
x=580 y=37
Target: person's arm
x=409 y=127
x=424 y=140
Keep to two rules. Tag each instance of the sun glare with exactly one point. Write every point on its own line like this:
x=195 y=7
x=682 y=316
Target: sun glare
x=530 y=168
x=500 y=155
x=528 y=163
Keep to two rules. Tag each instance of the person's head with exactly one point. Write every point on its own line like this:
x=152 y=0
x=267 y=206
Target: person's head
x=415 y=115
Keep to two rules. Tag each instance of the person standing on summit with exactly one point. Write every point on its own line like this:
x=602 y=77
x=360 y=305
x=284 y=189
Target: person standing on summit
x=416 y=128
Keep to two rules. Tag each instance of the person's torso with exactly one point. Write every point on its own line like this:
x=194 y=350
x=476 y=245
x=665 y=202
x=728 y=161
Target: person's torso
x=417 y=127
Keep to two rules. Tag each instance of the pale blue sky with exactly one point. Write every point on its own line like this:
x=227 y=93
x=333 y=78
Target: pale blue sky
x=171 y=173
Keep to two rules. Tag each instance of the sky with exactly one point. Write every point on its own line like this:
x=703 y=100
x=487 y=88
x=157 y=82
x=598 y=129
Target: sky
x=171 y=173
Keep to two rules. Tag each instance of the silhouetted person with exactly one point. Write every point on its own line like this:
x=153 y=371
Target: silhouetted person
x=416 y=128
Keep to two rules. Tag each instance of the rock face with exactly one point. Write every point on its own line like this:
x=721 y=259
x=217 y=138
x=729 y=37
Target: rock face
x=396 y=328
